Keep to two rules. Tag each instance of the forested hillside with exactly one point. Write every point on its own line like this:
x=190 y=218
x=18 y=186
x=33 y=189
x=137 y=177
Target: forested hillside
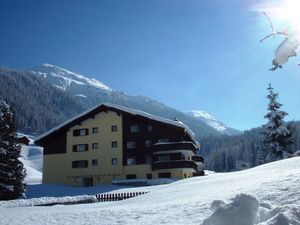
x=228 y=153
x=41 y=103
x=37 y=104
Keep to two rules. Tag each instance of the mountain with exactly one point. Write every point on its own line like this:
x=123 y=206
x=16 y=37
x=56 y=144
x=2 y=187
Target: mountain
x=47 y=95
x=224 y=153
x=91 y=92
x=213 y=122
x=38 y=105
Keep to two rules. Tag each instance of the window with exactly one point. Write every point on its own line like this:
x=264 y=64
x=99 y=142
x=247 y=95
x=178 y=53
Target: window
x=163 y=140
x=149 y=128
x=135 y=128
x=80 y=132
x=80 y=164
x=148 y=143
x=80 y=148
x=131 y=161
x=149 y=175
x=95 y=146
x=164 y=158
x=95 y=130
x=164 y=175
x=78 y=180
x=114 y=161
x=95 y=162
x=114 y=144
x=148 y=159
x=114 y=128
x=131 y=176
x=131 y=144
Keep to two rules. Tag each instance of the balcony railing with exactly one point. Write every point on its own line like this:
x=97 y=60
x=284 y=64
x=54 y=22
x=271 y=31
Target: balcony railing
x=171 y=146
x=198 y=158
x=174 y=165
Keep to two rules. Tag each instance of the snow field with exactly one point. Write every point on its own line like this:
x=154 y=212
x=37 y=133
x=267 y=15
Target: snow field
x=275 y=186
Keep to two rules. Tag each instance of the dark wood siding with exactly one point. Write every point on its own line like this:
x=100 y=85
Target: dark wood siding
x=159 y=131
x=56 y=144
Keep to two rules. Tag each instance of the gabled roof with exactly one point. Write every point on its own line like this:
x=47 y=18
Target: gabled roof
x=111 y=107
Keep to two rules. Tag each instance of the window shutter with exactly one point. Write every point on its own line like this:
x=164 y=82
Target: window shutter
x=76 y=132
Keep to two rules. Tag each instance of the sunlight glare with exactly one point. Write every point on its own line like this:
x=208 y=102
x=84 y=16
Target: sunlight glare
x=290 y=10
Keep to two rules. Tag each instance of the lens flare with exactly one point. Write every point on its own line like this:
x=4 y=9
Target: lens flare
x=290 y=10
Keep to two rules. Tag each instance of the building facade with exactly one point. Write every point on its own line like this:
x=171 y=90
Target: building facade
x=110 y=143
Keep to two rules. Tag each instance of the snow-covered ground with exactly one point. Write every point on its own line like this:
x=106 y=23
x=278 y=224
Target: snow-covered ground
x=32 y=158
x=265 y=195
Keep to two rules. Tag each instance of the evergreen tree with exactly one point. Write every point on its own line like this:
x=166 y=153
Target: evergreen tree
x=278 y=136
x=12 y=171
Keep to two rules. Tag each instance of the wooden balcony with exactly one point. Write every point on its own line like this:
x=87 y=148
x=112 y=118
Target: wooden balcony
x=198 y=158
x=172 y=146
x=174 y=165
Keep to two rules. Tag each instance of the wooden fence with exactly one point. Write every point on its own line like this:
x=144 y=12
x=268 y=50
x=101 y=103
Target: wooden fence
x=118 y=196
x=100 y=198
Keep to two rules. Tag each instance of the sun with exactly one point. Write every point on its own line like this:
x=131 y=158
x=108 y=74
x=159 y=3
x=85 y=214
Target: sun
x=284 y=12
x=290 y=11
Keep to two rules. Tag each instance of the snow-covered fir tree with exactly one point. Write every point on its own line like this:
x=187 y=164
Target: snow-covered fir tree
x=12 y=171
x=278 y=136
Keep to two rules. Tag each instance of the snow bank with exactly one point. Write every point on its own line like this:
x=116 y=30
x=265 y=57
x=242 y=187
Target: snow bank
x=46 y=201
x=242 y=210
x=246 y=210
x=32 y=158
x=279 y=215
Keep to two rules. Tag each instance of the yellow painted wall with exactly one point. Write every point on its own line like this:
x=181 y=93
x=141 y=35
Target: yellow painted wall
x=58 y=167
x=142 y=170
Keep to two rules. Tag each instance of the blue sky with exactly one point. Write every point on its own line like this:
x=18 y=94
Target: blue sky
x=195 y=54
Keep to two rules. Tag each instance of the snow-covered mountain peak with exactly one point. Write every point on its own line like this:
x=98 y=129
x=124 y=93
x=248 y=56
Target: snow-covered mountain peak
x=63 y=78
x=213 y=122
x=200 y=113
x=207 y=118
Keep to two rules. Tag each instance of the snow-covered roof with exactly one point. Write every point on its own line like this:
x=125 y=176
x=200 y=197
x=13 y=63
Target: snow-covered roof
x=112 y=107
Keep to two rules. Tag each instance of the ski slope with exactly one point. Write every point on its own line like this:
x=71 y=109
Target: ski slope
x=265 y=195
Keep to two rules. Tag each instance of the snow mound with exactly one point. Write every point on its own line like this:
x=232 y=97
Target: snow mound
x=242 y=210
x=245 y=209
x=280 y=215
